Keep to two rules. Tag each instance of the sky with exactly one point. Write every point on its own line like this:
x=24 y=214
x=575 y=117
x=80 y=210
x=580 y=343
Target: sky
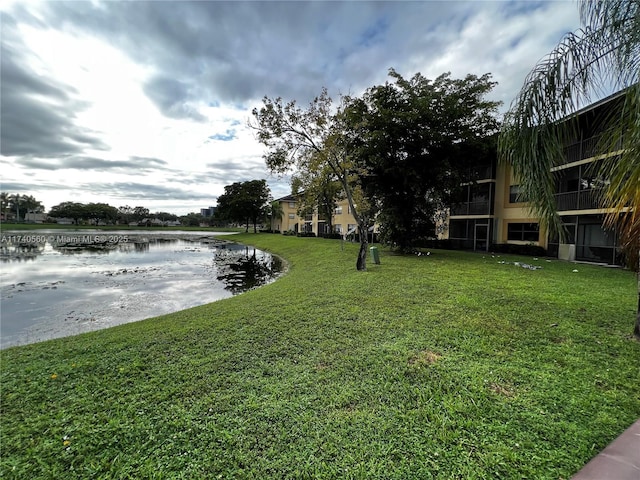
x=148 y=103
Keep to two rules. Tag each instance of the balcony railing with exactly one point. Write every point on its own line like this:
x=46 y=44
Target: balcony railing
x=471 y=208
x=566 y=201
x=586 y=148
x=482 y=172
x=583 y=200
x=479 y=172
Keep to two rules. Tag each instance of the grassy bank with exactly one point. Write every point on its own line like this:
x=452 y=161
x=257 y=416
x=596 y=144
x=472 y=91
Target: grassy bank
x=451 y=365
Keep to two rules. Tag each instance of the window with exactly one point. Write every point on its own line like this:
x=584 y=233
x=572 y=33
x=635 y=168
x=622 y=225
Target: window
x=458 y=229
x=351 y=227
x=525 y=232
x=337 y=228
x=338 y=210
x=292 y=204
x=292 y=216
x=515 y=194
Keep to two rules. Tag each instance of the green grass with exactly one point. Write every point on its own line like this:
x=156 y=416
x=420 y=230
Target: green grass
x=449 y=366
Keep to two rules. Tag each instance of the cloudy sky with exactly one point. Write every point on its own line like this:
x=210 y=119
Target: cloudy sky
x=147 y=103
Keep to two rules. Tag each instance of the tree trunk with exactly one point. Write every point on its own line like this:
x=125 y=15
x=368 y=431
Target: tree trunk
x=361 y=264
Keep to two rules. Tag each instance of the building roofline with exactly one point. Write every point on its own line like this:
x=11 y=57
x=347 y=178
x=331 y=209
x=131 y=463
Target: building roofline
x=285 y=198
x=599 y=103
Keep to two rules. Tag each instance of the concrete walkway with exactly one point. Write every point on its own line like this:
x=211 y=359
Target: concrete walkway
x=619 y=461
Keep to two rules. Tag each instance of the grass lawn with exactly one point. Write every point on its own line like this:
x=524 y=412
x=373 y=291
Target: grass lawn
x=450 y=366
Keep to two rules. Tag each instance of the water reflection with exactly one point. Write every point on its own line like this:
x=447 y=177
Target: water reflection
x=19 y=252
x=16 y=246
x=50 y=289
x=245 y=268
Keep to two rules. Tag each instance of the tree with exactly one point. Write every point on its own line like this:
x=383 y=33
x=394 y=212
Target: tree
x=308 y=140
x=95 y=212
x=20 y=205
x=165 y=216
x=230 y=207
x=139 y=213
x=73 y=210
x=98 y=212
x=4 y=202
x=244 y=202
x=192 y=219
x=415 y=138
x=124 y=214
x=603 y=54
x=258 y=195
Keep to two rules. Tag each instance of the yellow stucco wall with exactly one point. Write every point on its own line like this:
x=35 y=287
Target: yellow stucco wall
x=290 y=218
x=506 y=212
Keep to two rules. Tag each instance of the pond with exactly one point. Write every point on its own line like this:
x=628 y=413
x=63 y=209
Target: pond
x=58 y=283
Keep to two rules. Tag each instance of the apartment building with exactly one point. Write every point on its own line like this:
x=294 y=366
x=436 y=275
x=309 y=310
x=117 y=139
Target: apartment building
x=342 y=219
x=492 y=211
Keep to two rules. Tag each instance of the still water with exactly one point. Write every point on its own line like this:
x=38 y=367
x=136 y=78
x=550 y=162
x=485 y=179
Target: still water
x=55 y=283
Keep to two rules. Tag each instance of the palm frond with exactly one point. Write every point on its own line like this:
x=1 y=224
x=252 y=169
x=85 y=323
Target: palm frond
x=601 y=57
x=621 y=168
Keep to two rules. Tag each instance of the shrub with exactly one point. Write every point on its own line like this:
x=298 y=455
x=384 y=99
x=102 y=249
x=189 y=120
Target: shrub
x=333 y=236
x=445 y=244
x=529 y=250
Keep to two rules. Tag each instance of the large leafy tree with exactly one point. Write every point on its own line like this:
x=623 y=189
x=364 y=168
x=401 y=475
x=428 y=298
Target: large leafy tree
x=139 y=213
x=257 y=196
x=308 y=140
x=192 y=219
x=94 y=212
x=97 y=212
x=164 y=216
x=124 y=214
x=73 y=210
x=244 y=202
x=604 y=55
x=414 y=139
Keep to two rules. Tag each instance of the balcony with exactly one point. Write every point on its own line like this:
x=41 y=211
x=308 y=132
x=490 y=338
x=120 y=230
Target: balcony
x=471 y=208
x=582 y=200
x=583 y=149
x=479 y=172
